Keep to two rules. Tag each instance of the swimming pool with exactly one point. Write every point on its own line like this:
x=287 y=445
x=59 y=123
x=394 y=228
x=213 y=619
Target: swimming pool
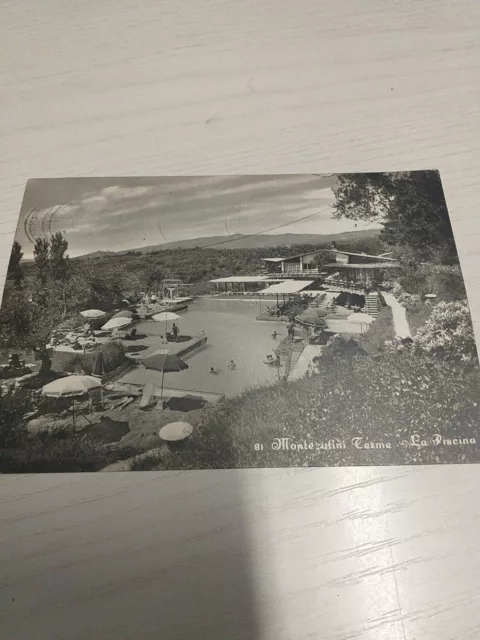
x=233 y=334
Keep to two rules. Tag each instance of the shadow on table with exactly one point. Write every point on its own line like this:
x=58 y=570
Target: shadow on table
x=143 y=555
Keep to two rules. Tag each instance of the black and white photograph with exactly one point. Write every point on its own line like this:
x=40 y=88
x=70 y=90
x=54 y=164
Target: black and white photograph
x=219 y=322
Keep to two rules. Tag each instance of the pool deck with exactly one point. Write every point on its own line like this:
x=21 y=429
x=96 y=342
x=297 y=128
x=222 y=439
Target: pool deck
x=135 y=389
x=173 y=308
x=157 y=345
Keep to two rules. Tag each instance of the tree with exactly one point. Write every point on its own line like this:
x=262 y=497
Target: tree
x=322 y=259
x=15 y=317
x=153 y=276
x=26 y=324
x=57 y=256
x=105 y=286
x=41 y=251
x=15 y=271
x=26 y=320
x=411 y=206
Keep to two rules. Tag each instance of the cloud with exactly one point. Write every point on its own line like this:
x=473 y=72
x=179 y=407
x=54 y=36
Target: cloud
x=119 y=213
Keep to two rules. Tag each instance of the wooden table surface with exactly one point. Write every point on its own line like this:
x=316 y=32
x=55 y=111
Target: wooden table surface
x=151 y=87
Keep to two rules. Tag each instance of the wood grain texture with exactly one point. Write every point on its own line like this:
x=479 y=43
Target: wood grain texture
x=159 y=87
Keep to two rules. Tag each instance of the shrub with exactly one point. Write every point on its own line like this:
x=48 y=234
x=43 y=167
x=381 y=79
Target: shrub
x=414 y=282
x=58 y=453
x=13 y=406
x=389 y=397
x=340 y=346
x=446 y=281
x=448 y=333
x=381 y=331
x=74 y=321
x=148 y=461
x=408 y=300
x=113 y=356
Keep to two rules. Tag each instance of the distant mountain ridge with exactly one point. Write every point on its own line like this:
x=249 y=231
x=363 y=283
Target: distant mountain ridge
x=238 y=241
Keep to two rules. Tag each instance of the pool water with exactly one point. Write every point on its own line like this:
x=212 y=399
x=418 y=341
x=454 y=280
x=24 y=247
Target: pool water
x=233 y=334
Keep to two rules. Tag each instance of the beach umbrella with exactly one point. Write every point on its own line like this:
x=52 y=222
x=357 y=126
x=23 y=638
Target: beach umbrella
x=116 y=323
x=92 y=314
x=175 y=432
x=71 y=387
x=123 y=314
x=165 y=316
x=363 y=319
x=313 y=317
x=164 y=362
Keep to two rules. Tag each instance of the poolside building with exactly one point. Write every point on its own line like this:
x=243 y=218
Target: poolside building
x=360 y=268
x=243 y=284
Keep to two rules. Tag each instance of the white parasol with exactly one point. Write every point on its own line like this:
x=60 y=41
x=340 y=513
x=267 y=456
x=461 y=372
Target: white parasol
x=71 y=387
x=116 y=323
x=363 y=319
x=165 y=316
x=175 y=431
x=92 y=314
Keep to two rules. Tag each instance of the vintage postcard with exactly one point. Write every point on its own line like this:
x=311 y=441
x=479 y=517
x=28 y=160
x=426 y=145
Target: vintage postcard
x=236 y=321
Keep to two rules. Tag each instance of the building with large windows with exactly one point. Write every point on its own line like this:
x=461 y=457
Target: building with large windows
x=360 y=268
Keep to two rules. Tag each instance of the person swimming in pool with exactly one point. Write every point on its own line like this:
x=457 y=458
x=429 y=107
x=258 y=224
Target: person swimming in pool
x=231 y=365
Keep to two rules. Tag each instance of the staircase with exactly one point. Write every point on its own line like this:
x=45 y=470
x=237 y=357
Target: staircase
x=373 y=304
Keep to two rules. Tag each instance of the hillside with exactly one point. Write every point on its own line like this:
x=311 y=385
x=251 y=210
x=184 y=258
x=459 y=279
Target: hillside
x=237 y=241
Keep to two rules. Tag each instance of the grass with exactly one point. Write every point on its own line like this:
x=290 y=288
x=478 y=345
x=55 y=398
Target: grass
x=380 y=331
x=417 y=316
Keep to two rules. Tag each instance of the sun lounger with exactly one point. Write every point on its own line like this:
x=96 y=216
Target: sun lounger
x=146 y=398
x=121 y=404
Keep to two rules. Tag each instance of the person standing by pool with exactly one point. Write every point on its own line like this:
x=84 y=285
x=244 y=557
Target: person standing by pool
x=291 y=331
x=175 y=332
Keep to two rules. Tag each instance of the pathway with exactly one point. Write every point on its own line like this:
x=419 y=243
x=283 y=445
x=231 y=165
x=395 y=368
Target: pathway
x=400 y=323
x=302 y=365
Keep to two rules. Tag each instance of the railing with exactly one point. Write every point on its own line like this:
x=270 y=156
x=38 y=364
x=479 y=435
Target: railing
x=297 y=271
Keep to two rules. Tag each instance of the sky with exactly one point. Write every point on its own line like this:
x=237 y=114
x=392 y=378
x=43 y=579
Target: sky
x=126 y=213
